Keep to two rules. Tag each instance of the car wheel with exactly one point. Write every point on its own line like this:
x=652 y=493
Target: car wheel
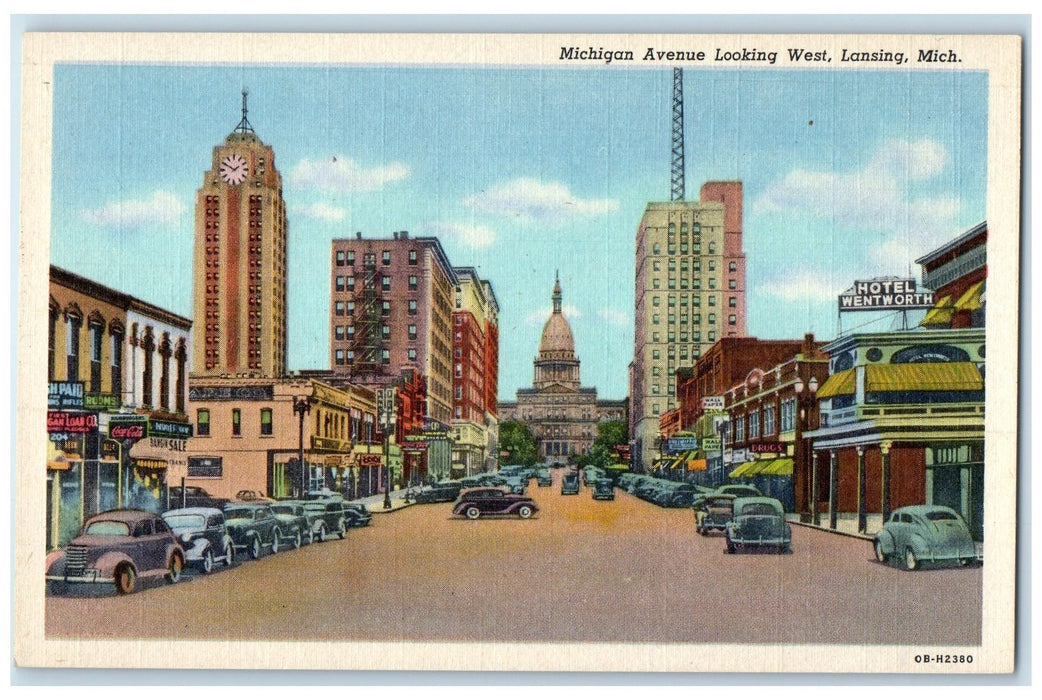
x=311 y=536
x=342 y=530
x=525 y=511
x=880 y=555
x=322 y=532
x=177 y=565
x=126 y=579
x=275 y=536
x=229 y=554
x=297 y=541
x=730 y=546
x=207 y=563
x=255 y=548
x=472 y=513
x=911 y=563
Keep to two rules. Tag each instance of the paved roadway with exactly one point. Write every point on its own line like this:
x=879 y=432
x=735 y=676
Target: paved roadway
x=581 y=570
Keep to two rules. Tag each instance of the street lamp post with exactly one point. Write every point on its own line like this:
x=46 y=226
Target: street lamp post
x=302 y=405
x=805 y=397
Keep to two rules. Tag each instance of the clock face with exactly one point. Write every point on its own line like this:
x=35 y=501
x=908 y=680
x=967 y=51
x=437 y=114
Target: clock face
x=234 y=169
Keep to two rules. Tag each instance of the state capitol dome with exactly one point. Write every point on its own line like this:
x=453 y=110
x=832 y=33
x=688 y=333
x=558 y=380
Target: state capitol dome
x=556 y=363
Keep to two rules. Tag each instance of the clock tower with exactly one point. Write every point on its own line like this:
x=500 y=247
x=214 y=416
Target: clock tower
x=239 y=299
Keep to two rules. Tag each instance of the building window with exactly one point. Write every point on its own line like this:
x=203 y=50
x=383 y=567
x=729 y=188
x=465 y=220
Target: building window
x=350 y=257
x=788 y=415
x=339 y=308
x=732 y=302
x=739 y=429
x=385 y=308
x=459 y=393
x=236 y=422
x=712 y=336
x=732 y=320
x=385 y=331
x=412 y=353
x=412 y=257
x=731 y=284
x=385 y=257
x=350 y=356
x=340 y=258
x=351 y=283
x=350 y=308
x=768 y=420
x=350 y=332
x=385 y=283
x=712 y=319
x=265 y=423
x=385 y=357
x=95 y=334
x=654 y=301
x=340 y=283
x=412 y=307
x=72 y=347
x=754 y=424
x=202 y=422
x=339 y=332
x=712 y=300
x=164 y=374
x=412 y=332
x=413 y=283
x=459 y=370
x=339 y=357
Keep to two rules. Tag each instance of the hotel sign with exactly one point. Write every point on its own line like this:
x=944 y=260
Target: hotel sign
x=884 y=294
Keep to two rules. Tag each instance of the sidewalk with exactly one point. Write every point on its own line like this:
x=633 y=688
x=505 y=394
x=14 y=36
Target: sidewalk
x=375 y=503
x=846 y=524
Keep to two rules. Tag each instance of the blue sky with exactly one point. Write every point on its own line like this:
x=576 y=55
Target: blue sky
x=521 y=172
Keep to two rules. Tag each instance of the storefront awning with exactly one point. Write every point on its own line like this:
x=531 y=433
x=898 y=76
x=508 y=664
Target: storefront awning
x=838 y=384
x=743 y=470
x=696 y=465
x=778 y=467
x=940 y=314
x=924 y=376
x=970 y=300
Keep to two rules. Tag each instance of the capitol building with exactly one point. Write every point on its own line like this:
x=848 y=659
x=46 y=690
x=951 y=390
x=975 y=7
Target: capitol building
x=561 y=413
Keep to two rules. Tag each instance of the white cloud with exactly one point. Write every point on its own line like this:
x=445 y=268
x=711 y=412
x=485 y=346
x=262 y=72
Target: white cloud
x=529 y=199
x=615 y=317
x=469 y=235
x=342 y=174
x=161 y=207
x=802 y=285
x=539 y=317
x=880 y=196
x=321 y=211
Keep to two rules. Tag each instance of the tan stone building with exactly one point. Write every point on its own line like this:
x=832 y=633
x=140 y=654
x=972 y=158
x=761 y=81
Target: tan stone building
x=690 y=291
x=561 y=413
x=248 y=436
x=240 y=261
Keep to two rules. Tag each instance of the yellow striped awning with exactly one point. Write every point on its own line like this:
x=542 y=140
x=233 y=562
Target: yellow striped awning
x=924 y=376
x=838 y=384
x=970 y=300
x=940 y=314
x=743 y=470
x=778 y=467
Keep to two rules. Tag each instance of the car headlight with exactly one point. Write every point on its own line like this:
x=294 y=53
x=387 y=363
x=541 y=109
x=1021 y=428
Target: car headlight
x=187 y=538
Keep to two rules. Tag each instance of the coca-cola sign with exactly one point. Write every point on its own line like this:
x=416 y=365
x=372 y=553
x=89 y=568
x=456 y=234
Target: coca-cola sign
x=70 y=422
x=128 y=429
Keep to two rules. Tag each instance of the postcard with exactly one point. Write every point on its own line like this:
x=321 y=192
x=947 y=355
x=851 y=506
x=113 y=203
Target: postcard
x=525 y=352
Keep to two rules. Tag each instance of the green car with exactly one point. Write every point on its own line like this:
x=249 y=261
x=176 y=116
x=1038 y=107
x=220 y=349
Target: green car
x=917 y=534
x=758 y=522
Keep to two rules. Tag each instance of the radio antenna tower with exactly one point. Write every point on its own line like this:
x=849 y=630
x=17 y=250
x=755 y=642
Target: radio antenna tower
x=676 y=189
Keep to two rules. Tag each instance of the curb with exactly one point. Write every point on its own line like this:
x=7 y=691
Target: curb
x=376 y=508
x=854 y=535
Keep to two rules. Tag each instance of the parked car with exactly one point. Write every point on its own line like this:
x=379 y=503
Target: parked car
x=516 y=484
x=329 y=516
x=714 y=512
x=250 y=495
x=118 y=547
x=758 y=521
x=570 y=484
x=294 y=524
x=543 y=478
x=499 y=500
x=358 y=514
x=441 y=492
x=603 y=489
x=252 y=527
x=739 y=490
x=203 y=536
x=194 y=497
x=917 y=534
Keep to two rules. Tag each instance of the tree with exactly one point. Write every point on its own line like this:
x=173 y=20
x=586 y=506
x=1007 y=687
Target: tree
x=609 y=434
x=515 y=439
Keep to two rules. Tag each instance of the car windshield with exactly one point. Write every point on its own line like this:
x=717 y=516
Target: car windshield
x=186 y=520
x=233 y=513
x=108 y=528
x=940 y=515
x=758 y=509
x=284 y=510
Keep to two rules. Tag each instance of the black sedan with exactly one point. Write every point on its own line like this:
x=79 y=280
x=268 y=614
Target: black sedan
x=494 y=501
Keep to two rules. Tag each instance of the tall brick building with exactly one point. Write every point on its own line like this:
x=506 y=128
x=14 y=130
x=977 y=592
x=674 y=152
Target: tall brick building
x=240 y=261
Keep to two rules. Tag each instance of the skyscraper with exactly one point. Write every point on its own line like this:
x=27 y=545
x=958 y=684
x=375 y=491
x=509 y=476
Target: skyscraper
x=690 y=291
x=240 y=261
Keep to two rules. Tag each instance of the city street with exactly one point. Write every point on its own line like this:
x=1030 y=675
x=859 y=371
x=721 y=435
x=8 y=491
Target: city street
x=580 y=570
